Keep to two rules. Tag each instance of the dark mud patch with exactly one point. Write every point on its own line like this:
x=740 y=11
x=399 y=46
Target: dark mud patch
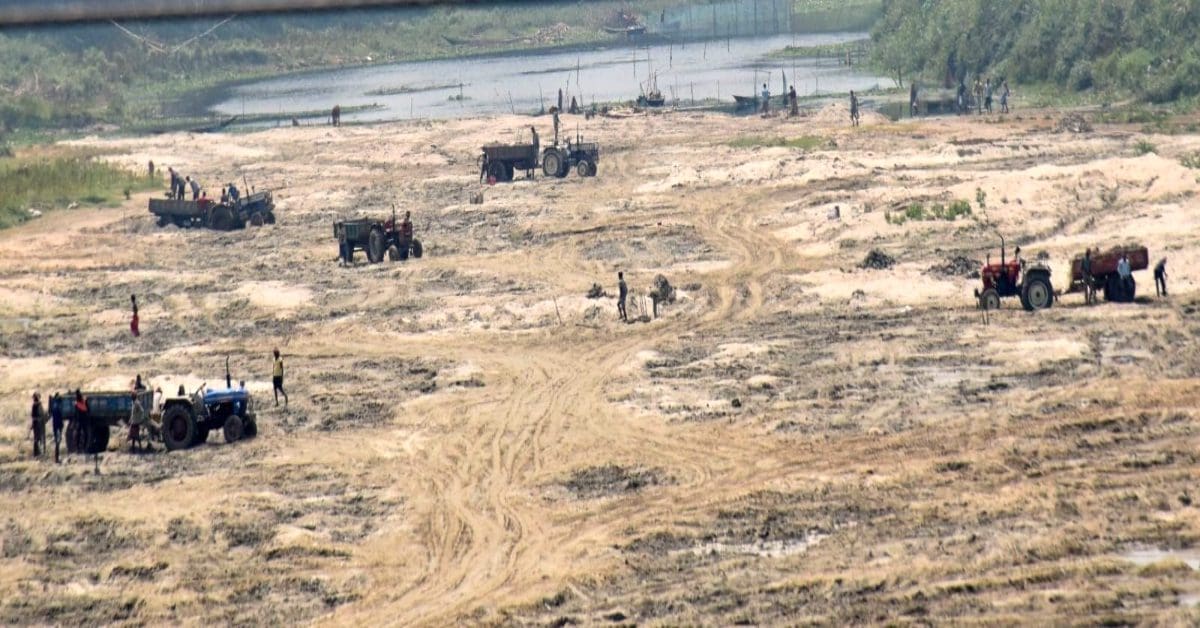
x=611 y=479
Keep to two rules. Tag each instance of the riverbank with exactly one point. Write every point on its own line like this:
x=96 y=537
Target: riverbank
x=821 y=428
x=81 y=75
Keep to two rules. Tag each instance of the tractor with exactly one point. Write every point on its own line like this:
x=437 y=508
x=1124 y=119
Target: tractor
x=1030 y=281
x=377 y=238
x=187 y=419
x=558 y=160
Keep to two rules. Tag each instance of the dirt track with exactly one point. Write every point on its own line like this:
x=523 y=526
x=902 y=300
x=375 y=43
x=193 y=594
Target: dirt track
x=470 y=439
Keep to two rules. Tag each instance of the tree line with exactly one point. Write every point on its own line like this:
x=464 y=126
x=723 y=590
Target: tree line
x=1143 y=47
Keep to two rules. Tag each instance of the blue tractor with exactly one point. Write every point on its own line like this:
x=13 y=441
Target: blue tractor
x=187 y=419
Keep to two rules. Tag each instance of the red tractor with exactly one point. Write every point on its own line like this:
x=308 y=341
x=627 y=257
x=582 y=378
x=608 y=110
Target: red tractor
x=1015 y=278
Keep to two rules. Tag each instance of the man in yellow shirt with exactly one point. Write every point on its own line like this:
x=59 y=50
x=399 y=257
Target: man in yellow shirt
x=277 y=379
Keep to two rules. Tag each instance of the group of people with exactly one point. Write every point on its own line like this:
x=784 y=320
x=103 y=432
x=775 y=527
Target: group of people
x=793 y=101
x=89 y=437
x=180 y=186
x=230 y=193
x=1124 y=275
x=985 y=92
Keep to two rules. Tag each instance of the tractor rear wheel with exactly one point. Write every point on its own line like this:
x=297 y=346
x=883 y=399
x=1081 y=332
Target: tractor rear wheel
x=417 y=251
x=376 y=245
x=990 y=299
x=178 y=428
x=552 y=164
x=74 y=442
x=495 y=171
x=233 y=429
x=1037 y=294
x=221 y=218
x=98 y=439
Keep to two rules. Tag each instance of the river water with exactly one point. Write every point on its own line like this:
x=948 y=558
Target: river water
x=525 y=82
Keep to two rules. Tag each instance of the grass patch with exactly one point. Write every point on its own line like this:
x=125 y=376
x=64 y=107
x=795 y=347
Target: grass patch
x=55 y=181
x=1144 y=147
x=804 y=142
x=858 y=49
x=1191 y=161
x=919 y=212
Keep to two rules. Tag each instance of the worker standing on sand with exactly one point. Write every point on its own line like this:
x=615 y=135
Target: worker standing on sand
x=912 y=100
x=978 y=96
x=1004 y=96
x=853 y=109
x=133 y=321
x=37 y=418
x=793 y=102
x=766 y=98
x=277 y=379
x=1126 y=274
x=1160 y=277
x=622 y=292
x=1089 y=284
x=89 y=432
x=56 y=422
x=137 y=418
x=406 y=231
x=335 y=116
x=988 y=90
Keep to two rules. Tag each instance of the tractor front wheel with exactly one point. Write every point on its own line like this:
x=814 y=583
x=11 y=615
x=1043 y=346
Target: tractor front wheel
x=178 y=428
x=257 y=220
x=417 y=251
x=990 y=299
x=393 y=253
x=1037 y=294
x=250 y=428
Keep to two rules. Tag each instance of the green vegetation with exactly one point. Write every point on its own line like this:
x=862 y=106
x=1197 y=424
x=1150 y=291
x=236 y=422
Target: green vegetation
x=804 y=142
x=827 y=16
x=937 y=211
x=50 y=182
x=824 y=51
x=1191 y=161
x=1142 y=47
x=1144 y=147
